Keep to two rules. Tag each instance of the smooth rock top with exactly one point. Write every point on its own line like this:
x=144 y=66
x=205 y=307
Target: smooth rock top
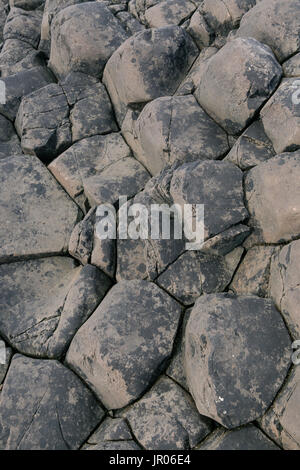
x=124 y=345
x=237 y=355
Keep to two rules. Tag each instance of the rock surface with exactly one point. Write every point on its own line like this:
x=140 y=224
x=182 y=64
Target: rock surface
x=121 y=349
x=237 y=354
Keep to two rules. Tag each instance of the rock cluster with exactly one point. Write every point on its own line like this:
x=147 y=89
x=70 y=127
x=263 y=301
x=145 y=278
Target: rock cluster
x=140 y=342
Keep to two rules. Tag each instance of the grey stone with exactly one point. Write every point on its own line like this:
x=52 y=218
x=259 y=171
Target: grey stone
x=45 y=302
x=217 y=185
x=149 y=65
x=44 y=406
x=246 y=438
x=291 y=67
x=83 y=37
x=237 y=355
x=195 y=273
x=252 y=276
x=99 y=168
x=273 y=198
x=282 y=421
x=129 y=22
x=281 y=117
x=112 y=434
x=262 y=23
x=166 y=418
x=43 y=123
x=176 y=369
x=125 y=344
x=91 y=112
x=17 y=56
x=26 y=230
x=21 y=84
x=237 y=81
x=252 y=148
x=23 y=25
x=284 y=286
x=169 y=12
x=174 y=129
x=9 y=142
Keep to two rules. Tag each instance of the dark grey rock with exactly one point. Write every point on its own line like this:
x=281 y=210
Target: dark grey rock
x=246 y=438
x=45 y=302
x=112 y=434
x=291 y=67
x=43 y=123
x=17 y=56
x=37 y=215
x=252 y=148
x=237 y=355
x=284 y=285
x=168 y=12
x=5 y=358
x=282 y=420
x=150 y=64
x=174 y=129
x=166 y=418
x=216 y=184
x=125 y=344
x=44 y=406
x=261 y=23
x=23 y=25
x=83 y=37
x=237 y=81
x=22 y=84
x=27 y=4
x=281 y=117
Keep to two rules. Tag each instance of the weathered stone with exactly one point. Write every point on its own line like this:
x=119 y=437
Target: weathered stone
x=252 y=148
x=124 y=345
x=91 y=112
x=9 y=142
x=291 y=67
x=281 y=117
x=20 y=85
x=217 y=185
x=45 y=302
x=83 y=37
x=282 y=421
x=26 y=230
x=284 y=286
x=129 y=22
x=237 y=354
x=27 y=4
x=252 y=276
x=276 y=24
x=17 y=56
x=3 y=16
x=237 y=81
x=112 y=434
x=273 y=197
x=44 y=406
x=43 y=123
x=195 y=273
x=246 y=438
x=214 y=20
x=225 y=242
x=166 y=418
x=168 y=12
x=176 y=369
x=174 y=129
x=149 y=65
x=89 y=164
x=23 y=25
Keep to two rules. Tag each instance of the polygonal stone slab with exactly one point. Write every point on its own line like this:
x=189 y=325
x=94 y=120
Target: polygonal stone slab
x=166 y=418
x=112 y=434
x=237 y=354
x=124 y=345
x=44 y=406
x=45 y=302
x=150 y=64
x=273 y=197
x=37 y=215
x=237 y=81
x=172 y=129
x=83 y=37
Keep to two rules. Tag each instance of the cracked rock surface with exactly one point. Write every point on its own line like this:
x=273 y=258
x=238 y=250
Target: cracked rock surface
x=149 y=110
